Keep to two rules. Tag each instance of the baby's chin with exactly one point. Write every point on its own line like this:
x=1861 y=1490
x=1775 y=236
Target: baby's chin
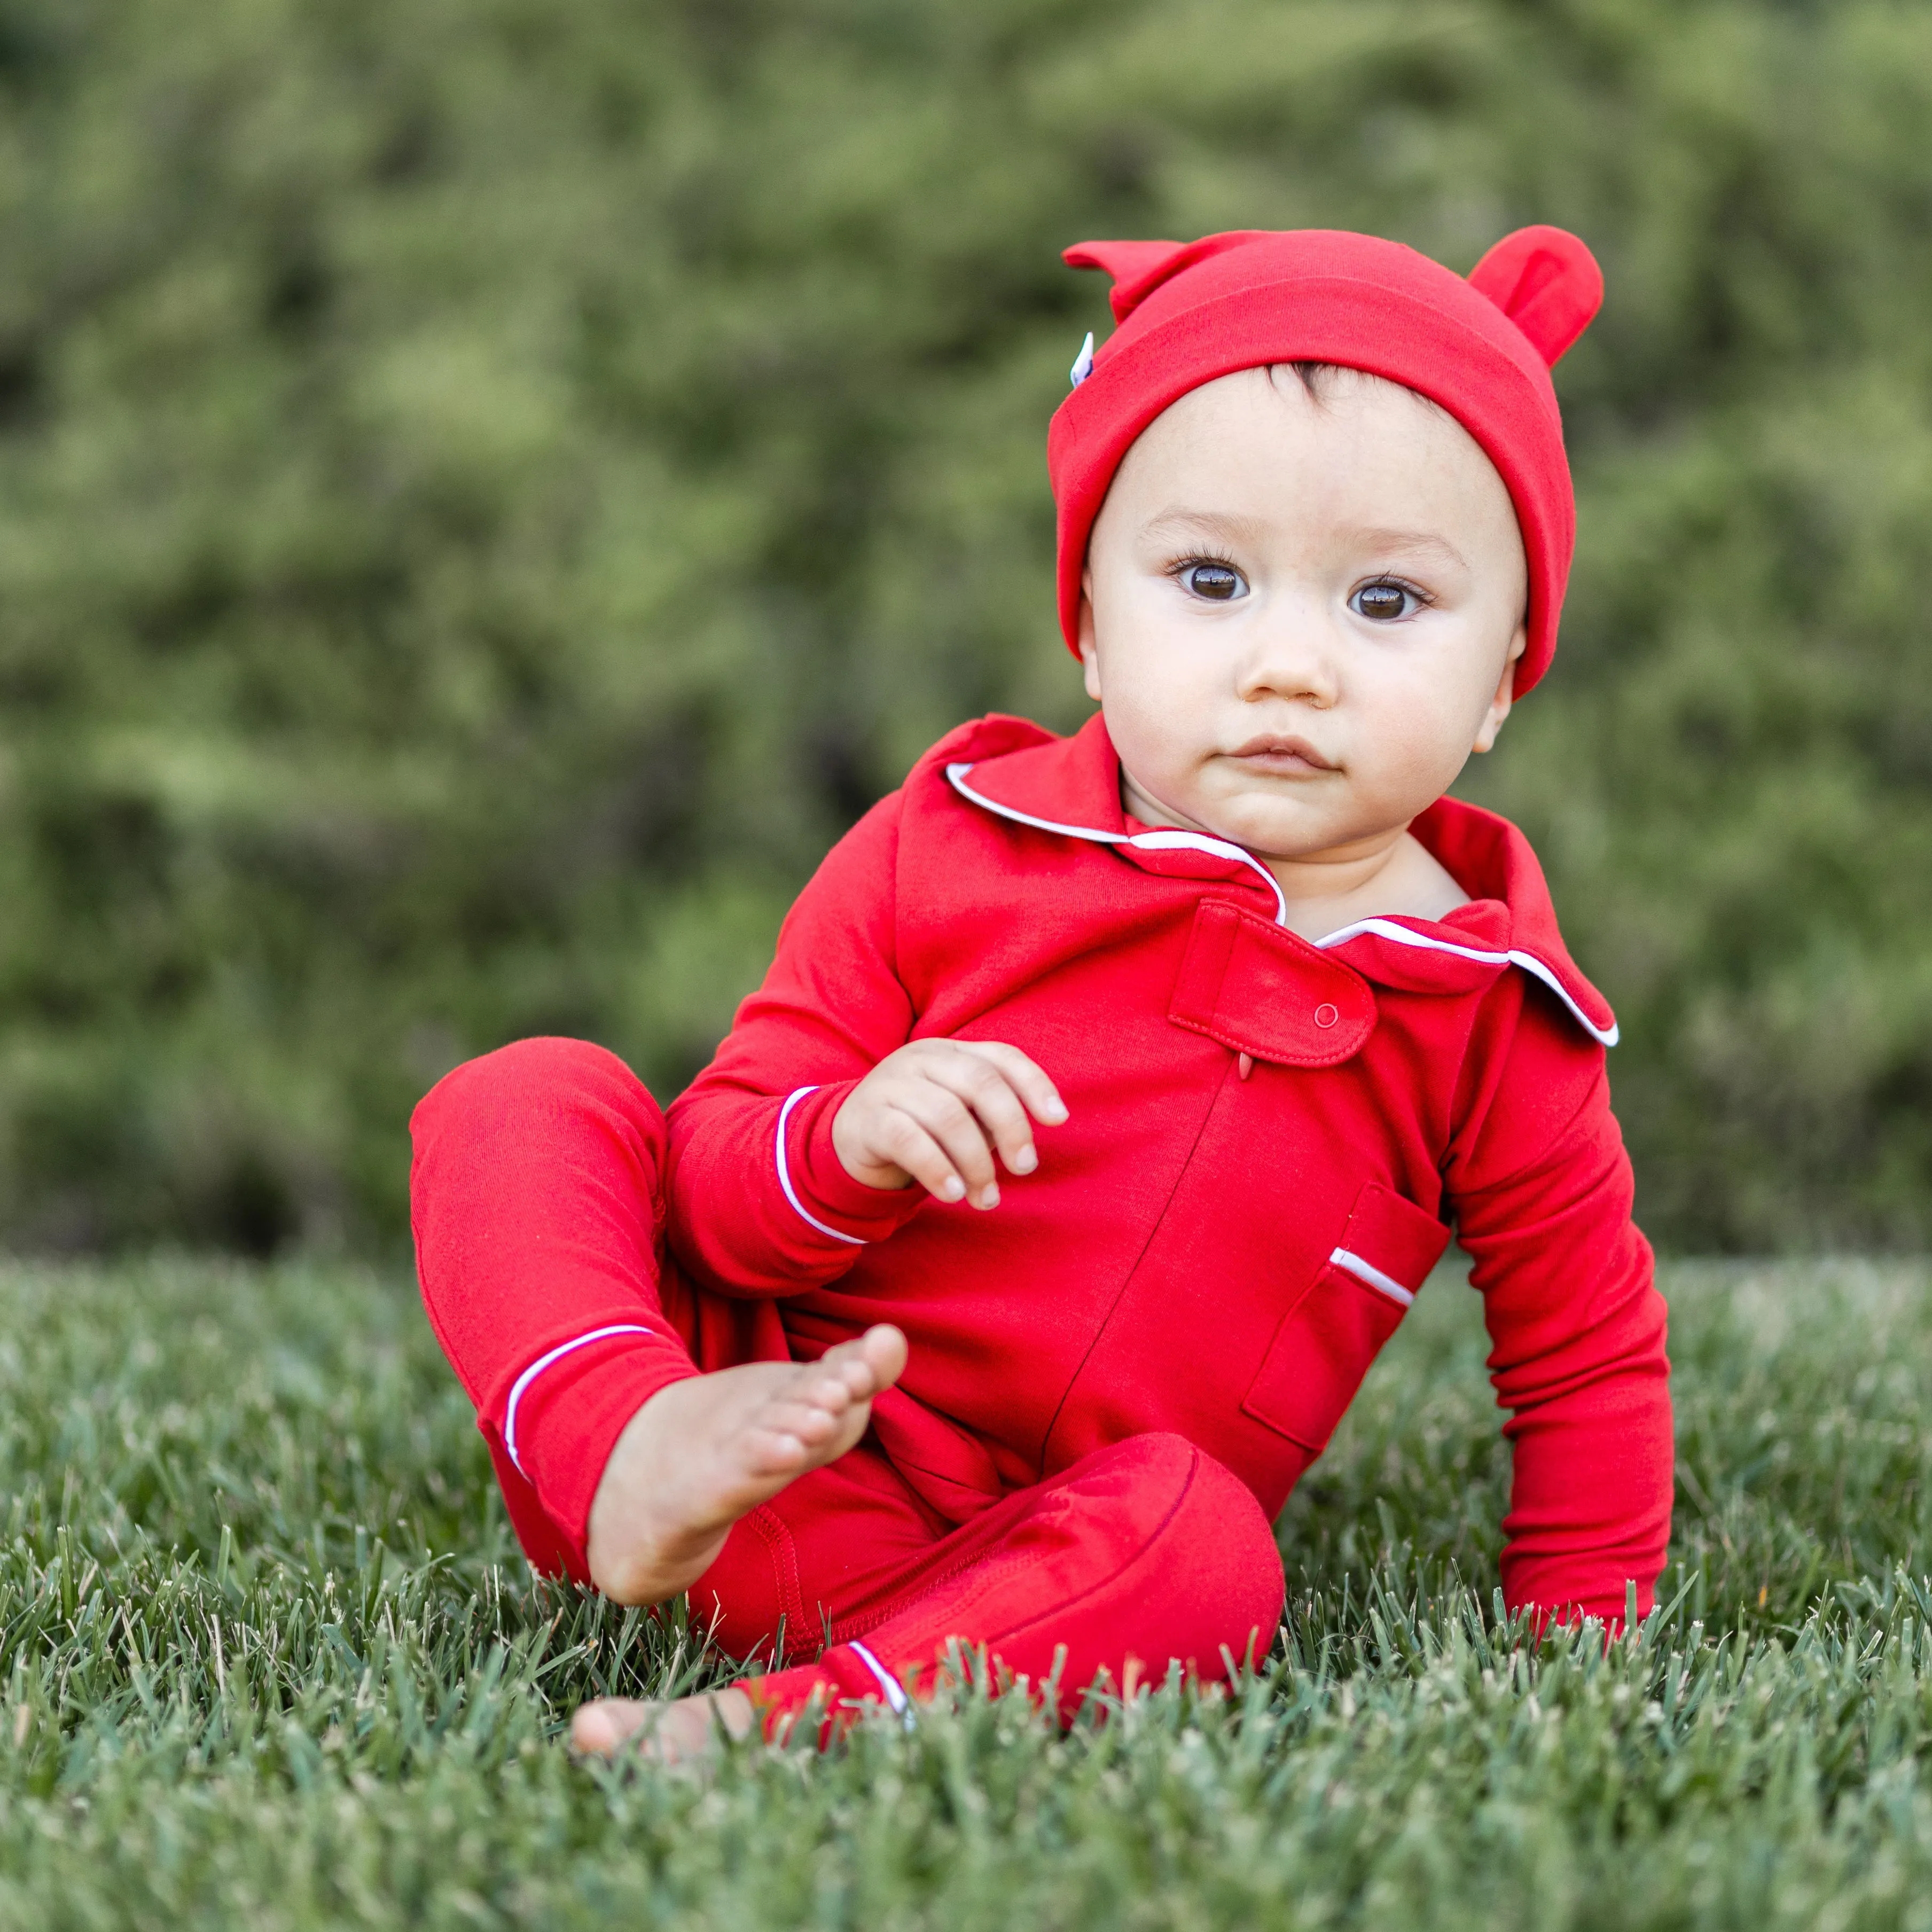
x=1281 y=820
x=1272 y=826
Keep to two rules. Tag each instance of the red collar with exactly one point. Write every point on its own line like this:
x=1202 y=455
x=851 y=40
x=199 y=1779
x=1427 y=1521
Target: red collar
x=1070 y=787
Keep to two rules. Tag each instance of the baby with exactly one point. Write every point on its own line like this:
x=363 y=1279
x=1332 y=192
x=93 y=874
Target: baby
x=1110 y=1098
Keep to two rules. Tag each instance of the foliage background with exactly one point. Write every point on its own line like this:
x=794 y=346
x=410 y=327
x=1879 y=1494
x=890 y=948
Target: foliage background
x=490 y=488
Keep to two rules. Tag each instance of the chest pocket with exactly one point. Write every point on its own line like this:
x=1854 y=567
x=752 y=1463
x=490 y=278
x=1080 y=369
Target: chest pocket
x=1337 y=1328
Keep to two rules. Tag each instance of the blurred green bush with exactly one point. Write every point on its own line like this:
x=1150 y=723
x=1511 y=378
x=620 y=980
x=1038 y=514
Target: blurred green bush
x=490 y=488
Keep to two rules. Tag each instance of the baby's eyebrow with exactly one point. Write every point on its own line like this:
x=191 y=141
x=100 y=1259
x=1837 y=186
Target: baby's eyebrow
x=1428 y=542
x=1227 y=525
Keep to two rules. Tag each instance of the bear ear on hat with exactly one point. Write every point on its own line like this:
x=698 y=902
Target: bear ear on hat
x=1135 y=267
x=1139 y=267
x=1546 y=282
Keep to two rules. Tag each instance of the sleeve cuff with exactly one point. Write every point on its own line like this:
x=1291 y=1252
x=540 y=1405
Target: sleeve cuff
x=559 y=1425
x=826 y=1192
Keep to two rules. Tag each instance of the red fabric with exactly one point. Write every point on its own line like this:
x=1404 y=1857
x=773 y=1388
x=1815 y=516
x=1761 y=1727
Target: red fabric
x=1482 y=348
x=1141 y=1555
x=1199 y=1254
x=538 y=1208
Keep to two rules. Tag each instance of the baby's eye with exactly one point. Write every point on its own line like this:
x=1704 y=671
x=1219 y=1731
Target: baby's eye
x=1217 y=582
x=1383 y=601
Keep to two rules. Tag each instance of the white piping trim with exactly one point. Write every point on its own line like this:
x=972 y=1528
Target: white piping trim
x=956 y=774
x=1372 y=1276
x=1162 y=838
x=896 y=1700
x=784 y=1172
x=1170 y=839
x=1387 y=928
x=537 y=1368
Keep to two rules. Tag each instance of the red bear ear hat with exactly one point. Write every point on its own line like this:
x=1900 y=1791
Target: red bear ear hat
x=1482 y=348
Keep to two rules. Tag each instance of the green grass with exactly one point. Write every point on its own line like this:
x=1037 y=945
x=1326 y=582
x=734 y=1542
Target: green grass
x=268 y=1659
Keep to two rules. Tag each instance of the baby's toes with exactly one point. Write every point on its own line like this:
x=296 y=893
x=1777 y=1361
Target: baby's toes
x=872 y=1361
x=809 y=1422
x=823 y=1386
x=599 y=1729
x=856 y=1381
x=783 y=1441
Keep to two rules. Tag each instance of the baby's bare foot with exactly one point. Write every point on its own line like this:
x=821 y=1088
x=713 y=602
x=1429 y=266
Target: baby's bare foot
x=702 y=1453
x=682 y=1732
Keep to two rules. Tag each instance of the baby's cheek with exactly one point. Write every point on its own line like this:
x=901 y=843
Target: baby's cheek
x=1413 y=763
x=1159 y=753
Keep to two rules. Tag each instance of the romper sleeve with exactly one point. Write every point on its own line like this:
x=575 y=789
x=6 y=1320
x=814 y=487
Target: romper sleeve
x=759 y=1203
x=1542 y=1191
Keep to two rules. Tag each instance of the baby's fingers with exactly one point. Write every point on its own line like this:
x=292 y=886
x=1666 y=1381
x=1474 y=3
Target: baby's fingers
x=1037 y=1092
x=938 y=1107
x=980 y=1083
x=905 y=1143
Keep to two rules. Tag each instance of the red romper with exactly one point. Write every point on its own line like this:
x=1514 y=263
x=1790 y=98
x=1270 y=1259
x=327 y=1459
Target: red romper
x=1115 y=1377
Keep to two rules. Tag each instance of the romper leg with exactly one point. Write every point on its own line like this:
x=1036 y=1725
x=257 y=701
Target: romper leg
x=847 y=1534
x=537 y=1201
x=1142 y=1554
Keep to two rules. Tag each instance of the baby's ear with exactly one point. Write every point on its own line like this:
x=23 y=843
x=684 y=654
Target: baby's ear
x=1546 y=282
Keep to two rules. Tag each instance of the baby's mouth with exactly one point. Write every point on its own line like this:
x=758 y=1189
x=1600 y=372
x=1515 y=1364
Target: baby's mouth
x=1282 y=757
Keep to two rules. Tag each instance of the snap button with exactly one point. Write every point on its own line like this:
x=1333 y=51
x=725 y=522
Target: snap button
x=1326 y=1015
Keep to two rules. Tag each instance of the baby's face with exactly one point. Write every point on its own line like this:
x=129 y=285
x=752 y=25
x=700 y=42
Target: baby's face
x=1301 y=615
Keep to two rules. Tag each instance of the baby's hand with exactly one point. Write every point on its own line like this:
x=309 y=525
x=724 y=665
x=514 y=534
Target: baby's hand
x=934 y=1111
